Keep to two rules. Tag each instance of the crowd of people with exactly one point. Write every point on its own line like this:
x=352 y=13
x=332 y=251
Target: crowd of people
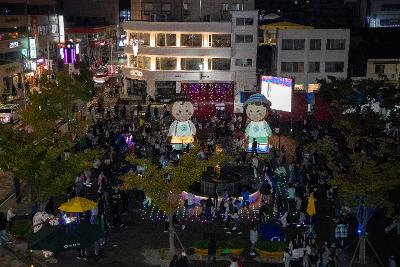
x=288 y=189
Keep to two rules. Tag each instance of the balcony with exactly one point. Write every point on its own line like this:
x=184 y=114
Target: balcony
x=177 y=27
x=223 y=52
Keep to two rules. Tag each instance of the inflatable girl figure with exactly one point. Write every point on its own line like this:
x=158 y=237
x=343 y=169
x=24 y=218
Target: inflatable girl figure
x=182 y=129
x=257 y=110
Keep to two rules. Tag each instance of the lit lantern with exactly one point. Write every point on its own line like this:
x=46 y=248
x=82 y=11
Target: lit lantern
x=182 y=130
x=257 y=110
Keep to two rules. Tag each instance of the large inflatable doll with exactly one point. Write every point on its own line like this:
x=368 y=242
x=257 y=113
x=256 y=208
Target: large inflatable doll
x=257 y=110
x=182 y=129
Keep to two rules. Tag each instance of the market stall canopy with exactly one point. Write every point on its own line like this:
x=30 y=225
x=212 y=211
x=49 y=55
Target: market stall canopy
x=63 y=237
x=77 y=204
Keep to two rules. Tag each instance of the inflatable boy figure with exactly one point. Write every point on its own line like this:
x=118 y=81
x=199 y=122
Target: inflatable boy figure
x=182 y=128
x=257 y=110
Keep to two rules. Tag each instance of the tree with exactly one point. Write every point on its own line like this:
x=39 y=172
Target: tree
x=33 y=150
x=167 y=194
x=362 y=158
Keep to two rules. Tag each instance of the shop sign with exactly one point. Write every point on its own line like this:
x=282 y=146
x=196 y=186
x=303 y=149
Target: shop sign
x=32 y=47
x=136 y=73
x=72 y=245
x=13 y=44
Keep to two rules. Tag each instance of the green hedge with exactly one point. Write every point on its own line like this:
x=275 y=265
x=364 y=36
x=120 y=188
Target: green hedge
x=203 y=244
x=271 y=246
x=236 y=243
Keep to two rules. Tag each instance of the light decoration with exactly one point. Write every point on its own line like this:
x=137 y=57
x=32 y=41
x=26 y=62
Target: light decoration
x=196 y=214
x=206 y=96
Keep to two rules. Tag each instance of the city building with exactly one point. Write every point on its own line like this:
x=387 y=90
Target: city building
x=307 y=55
x=386 y=69
x=165 y=58
x=187 y=10
x=384 y=13
x=317 y=13
x=29 y=36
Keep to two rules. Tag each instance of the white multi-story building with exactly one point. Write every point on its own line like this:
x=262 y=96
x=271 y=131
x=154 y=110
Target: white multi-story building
x=170 y=54
x=307 y=55
x=387 y=69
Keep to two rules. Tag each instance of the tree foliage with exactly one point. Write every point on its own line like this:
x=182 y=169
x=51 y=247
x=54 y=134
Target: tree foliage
x=166 y=194
x=362 y=157
x=33 y=149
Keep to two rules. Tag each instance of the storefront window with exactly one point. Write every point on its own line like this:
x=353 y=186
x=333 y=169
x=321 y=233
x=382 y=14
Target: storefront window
x=165 y=90
x=220 y=40
x=219 y=64
x=142 y=38
x=191 y=63
x=166 y=39
x=191 y=40
x=166 y=63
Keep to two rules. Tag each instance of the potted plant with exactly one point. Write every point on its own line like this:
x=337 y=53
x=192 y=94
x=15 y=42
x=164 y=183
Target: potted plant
x=271 y=249
x=201 y=247
x=236 y=246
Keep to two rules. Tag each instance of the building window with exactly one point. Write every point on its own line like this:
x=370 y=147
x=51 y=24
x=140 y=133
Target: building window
x=165 y=7
x=143 y=62
x=133 y=61
x=315 y=44
x=219 y=40
x=219 y=63
x=313 y=67
x=244 y=38
x=235 y=7
x=142 y=38
x=191 y=64
x=242 y=62
x=225 y=7
x=293 y=44
x=185 y=6
x=244 y=21
x=335 y=44
x=165 y=90
x=191 y=40
x=379 y=68
x=148 y=8
x=334 y=66
x=166 y=63
x=165 y=39
x=292 y=67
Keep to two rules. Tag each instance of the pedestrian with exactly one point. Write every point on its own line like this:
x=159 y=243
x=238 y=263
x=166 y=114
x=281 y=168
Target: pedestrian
x=253 y=239
x=183 y=260
x=3 y=227
x=212 y=250
x=10 y=217
x=174 y=261
x=17 y=188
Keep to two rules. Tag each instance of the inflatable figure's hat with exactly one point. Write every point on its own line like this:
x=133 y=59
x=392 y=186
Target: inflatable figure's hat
x=258 y=98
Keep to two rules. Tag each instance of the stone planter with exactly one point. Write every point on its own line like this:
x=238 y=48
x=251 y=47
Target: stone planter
x=271 y=256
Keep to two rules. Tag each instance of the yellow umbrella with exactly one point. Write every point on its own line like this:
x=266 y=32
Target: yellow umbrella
x=77 y=204
x=311 y=205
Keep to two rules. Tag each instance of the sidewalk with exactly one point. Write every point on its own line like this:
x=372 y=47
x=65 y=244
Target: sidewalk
x=8 y=259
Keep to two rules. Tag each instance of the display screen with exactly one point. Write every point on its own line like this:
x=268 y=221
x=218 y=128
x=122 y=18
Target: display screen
x=279 y=91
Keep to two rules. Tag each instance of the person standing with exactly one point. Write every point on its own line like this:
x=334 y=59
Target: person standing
x=212 y=251
x=10 y=217
x=183 y=260
x=253 y=239
x=17 y=188
x=174 y=261
x=3 y=231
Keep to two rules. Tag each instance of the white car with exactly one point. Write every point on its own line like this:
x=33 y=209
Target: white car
x=9 y=113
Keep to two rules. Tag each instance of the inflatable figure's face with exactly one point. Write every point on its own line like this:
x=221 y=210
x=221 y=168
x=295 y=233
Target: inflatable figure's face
x=256 y=112
x=182 y=110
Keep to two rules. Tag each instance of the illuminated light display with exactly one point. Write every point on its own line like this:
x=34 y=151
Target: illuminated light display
x=207 y=97
x=182 y=129
x=257 y=109
x=69 y=53
x=279 y=91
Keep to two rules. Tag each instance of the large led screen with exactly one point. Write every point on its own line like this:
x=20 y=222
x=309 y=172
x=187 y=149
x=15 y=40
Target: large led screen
x=279 y=91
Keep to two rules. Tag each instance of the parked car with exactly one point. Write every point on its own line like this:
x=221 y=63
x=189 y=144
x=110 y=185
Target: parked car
x=9 y=113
